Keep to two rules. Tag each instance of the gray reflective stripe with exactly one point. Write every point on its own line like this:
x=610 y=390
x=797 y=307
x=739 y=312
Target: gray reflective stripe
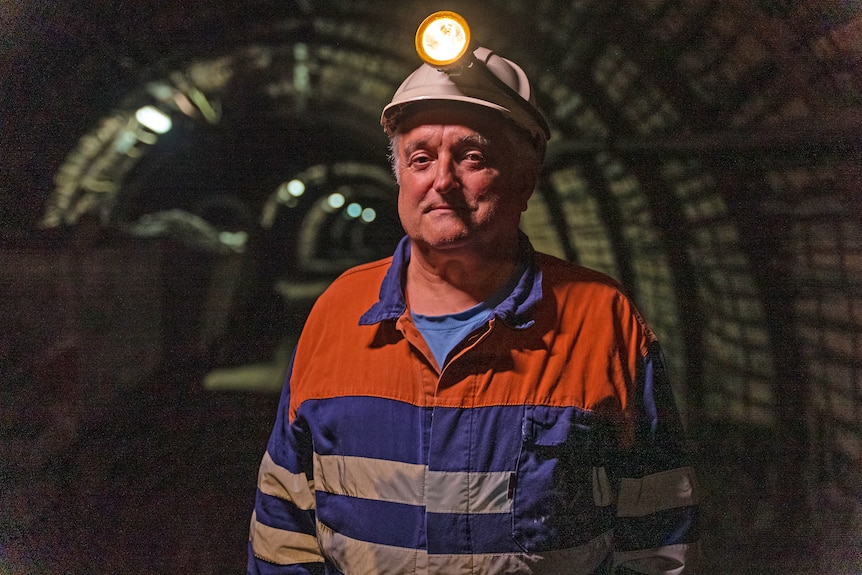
x=282 y=547
x=274 y=480
x=458 y=492
x=367 y=478
x=362 y=558
x=438 y=491
x=657 y=492
x=359 y=557
x=667 y=560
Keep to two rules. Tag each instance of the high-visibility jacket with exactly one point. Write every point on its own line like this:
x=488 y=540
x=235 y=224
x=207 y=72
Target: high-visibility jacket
x=548 y=443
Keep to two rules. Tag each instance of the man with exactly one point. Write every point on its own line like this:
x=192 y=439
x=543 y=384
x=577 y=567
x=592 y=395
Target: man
x=469 y=405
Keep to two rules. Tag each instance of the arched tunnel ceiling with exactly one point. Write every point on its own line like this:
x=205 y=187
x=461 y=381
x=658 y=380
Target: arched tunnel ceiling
x=698 y=147
x=706 y=153
x=680 y=75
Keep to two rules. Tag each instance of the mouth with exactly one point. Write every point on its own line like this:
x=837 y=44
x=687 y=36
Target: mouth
x=440 y=208
x=447 y=208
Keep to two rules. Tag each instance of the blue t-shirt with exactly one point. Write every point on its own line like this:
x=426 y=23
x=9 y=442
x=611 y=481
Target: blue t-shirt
x=443 y=332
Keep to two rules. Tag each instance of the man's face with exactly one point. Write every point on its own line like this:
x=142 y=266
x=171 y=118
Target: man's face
x=461 y=183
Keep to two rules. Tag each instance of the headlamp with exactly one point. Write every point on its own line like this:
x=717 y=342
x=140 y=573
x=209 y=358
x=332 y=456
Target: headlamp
x=443 y=39
x=456 y=70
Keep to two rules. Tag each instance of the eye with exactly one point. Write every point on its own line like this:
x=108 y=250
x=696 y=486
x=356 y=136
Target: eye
x=419 y=160
x=474 y=158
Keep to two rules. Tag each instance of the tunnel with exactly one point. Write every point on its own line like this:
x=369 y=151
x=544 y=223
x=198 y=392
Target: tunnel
x=180 y=181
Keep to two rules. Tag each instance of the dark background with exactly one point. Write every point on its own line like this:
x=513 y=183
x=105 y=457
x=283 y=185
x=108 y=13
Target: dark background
x=705 y=153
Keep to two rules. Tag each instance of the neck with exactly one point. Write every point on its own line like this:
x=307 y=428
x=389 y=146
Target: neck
x=444 y=283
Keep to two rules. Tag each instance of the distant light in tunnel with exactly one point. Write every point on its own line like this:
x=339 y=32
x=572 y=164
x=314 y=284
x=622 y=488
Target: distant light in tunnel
x=154 y=119
x=295 y=188
x=288 y=192
x=354 y=210
x=335 y=201
x=235 y=240
x=368 y=215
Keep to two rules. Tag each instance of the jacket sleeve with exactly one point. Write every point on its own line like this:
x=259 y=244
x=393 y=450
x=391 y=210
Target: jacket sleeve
x=656 y=529
x=282 y=534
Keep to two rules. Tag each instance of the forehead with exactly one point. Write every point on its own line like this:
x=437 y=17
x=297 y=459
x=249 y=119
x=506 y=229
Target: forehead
x=473 y=118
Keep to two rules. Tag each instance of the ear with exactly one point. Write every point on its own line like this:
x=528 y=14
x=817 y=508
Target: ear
x=525 y=198
x=529 y=179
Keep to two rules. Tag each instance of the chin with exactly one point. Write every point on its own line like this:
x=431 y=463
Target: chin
x=444 y=242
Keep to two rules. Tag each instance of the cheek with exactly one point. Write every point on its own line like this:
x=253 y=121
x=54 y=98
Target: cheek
x=401 y=202
x=506 y=205
x=515 y=197
x=412 y=184
x=495 y=196
x=411 y=188
x=406 y=207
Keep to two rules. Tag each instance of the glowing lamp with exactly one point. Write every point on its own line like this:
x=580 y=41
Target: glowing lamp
x=154 y=119
x=443 y=39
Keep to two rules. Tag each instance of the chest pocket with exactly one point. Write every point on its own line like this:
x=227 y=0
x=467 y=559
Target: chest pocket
x=554 y=503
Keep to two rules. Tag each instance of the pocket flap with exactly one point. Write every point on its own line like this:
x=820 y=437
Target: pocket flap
x=553 y=426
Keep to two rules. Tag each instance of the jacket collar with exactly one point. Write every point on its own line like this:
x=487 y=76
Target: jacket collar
x=515 y=310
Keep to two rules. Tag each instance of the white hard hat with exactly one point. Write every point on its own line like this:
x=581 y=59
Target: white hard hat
x=490 y=81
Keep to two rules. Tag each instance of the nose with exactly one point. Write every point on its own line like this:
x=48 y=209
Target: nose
x=445 y=176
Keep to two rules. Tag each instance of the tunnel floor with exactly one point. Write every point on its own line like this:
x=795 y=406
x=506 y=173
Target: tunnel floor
x=165 y=485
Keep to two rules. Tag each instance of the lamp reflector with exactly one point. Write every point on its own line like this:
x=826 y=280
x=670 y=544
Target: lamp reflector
x=442 y=38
